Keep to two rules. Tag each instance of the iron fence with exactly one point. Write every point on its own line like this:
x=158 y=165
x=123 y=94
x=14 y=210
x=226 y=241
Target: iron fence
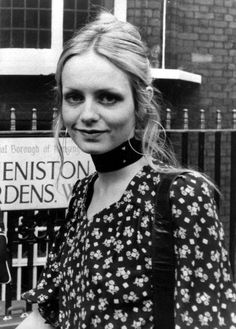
x=30 y=232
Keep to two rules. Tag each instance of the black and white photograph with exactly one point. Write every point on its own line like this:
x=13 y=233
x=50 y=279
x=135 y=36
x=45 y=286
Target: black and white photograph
x=117 y=164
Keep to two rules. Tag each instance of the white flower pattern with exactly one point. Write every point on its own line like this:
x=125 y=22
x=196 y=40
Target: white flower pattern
x=98 y=273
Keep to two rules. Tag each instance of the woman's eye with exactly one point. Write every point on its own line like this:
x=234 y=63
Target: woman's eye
x=108 y=99
x=73 y=98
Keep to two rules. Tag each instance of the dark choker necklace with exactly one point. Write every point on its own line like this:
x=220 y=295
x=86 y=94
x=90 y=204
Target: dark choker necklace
x=120 y=157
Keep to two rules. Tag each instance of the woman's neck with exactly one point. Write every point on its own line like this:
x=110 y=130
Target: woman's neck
x=109 y=187
x=119 y=177
x=120 y=157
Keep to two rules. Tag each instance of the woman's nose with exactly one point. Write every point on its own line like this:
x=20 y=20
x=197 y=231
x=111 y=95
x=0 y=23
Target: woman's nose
x=89 y=111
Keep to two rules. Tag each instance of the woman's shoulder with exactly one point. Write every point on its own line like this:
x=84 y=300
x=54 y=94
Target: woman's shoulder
x=188 y=182
x=185 y=185
x=192 y=195
x=181 y=178
x=182 y=182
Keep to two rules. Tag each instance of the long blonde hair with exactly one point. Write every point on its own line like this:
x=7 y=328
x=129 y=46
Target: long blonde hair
x=120 y=42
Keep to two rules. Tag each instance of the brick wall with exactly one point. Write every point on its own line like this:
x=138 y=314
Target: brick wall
x=205 y=44
x=200 y=38
x=146 y=16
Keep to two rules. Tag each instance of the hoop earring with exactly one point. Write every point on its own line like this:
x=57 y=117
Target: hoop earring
x=160 y=125
x=131 y=146
x=162 y=130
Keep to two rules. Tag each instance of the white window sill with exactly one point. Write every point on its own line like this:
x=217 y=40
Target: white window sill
x=28 y=61
x=43 y=61
x=174 y=74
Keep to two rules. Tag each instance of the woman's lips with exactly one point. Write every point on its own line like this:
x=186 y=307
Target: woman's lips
x=91 y=132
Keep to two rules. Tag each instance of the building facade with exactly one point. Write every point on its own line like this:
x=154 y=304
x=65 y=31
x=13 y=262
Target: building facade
x=32 y=34
x=191 y=45
x=192 y=41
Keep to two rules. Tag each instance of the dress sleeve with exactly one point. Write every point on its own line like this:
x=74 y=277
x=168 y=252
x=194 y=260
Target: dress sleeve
x=205 y=294
x=46 y=293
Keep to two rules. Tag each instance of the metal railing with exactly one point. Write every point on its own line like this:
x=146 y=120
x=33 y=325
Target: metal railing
x=30 y=232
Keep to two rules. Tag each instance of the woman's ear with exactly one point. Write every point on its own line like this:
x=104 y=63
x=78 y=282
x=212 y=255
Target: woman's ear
x=149 y=90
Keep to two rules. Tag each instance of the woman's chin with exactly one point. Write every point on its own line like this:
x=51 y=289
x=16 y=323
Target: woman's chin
x=93 y=150
x=96 y=148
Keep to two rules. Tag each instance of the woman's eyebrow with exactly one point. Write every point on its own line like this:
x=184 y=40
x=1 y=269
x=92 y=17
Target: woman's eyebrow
x=109 y=90
x=71 y=89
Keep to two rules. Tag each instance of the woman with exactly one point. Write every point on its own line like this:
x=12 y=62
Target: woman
x=99 y=271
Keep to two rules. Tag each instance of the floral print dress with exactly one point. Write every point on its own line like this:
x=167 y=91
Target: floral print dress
x=99 y=270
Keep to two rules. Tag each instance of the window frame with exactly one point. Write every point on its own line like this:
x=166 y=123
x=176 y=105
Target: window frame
x=31 y=61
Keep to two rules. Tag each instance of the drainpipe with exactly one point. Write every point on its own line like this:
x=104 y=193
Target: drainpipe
x=163 y=48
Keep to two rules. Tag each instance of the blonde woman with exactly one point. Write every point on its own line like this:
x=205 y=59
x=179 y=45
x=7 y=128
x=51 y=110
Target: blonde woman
x=99 y=271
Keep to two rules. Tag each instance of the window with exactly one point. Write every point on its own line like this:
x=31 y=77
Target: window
x=78 y=12
x=25 y=23
x=32 y=32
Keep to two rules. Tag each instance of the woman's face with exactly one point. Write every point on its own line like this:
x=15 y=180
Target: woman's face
x=97 y=103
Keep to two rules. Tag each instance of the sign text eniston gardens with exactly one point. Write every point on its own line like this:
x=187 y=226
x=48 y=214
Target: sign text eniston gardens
x=29 y=169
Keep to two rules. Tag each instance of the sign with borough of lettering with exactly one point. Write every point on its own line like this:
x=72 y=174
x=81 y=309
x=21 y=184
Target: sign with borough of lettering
x=29 y=172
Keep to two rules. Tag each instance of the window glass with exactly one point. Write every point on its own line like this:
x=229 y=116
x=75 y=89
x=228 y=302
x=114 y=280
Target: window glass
x=69 y=4
x=22 y=20
x=32 y=3
x=31 y=20
x=81 y=18
x=45 y=4
x=79 y=12
x=17 y=38
x=5 y=3
x=31 y=36
x=69 y=21
x=45 y=19
x=5 y=18
x=43 y=37
x=5 y=39
x=82 y=4
x=17 y=18
x=18 y=3
x=96 y=2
